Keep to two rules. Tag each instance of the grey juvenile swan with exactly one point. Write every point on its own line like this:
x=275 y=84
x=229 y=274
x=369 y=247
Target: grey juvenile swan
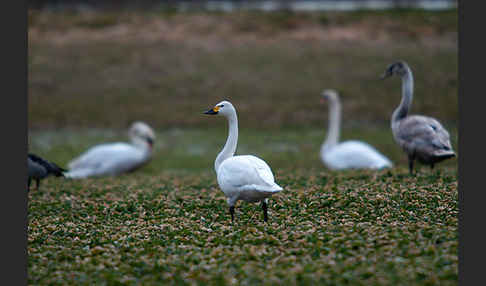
x=421 y=137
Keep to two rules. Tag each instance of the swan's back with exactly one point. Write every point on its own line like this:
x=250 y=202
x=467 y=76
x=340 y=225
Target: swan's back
x=422 y=135
x=107 y=159
x=246 y=172
x=354 y=155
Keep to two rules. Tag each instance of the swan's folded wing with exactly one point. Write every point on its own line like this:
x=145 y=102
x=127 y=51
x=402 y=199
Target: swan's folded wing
x=356 y=154
x=262 y=169
x=108 y=159
x=246 y=172
x=95 y=156
x=424 y=132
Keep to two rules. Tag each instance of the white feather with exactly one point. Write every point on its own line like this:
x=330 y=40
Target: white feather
x=113 y=159
x=106 y=159
x=245 y=177
x=354 y=155
x=350 y=154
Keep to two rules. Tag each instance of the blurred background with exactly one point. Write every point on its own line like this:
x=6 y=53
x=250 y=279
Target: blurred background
x=96 y=66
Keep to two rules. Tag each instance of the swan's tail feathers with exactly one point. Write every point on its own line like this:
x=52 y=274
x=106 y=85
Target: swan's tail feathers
x=277 y=188
x=441 y=156
x=78 y=174
x=447 y=156
x=263 y=189
x=384 y=166
x=272 y=189
x=74 y=164
x=388 y=164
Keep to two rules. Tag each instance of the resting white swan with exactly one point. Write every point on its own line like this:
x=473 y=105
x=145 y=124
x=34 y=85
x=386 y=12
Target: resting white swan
x=113 y=159
x=422 y=138
x=243 y=177
x=349 y=154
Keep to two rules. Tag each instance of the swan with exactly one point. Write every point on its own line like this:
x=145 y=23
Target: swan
x=113 y=159
x=39 y=168
x=349 y=154
x=243 y=177
x=421 y=137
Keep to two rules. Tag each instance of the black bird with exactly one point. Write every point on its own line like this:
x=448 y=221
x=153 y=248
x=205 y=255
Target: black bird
x=40 y=168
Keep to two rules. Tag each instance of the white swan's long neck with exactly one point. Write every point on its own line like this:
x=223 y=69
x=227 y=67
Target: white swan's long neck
x=407 y=95
x=334 y=124
x=142 y=145
x=229 y=148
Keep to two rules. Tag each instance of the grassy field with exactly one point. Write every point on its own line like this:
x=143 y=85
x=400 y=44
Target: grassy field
x=167 y=68
x=92 y=74
x=348 y=228
x=169 y=221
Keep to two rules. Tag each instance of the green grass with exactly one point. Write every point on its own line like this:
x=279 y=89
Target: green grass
x=194 y=150
x=92 y=74
x=169 y=223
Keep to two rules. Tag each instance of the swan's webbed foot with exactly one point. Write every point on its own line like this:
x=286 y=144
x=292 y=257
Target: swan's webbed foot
x=232 y=212
x=265 y=213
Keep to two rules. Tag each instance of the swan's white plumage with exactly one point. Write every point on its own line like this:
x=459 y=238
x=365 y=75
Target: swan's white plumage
x=244 y=177
x=111 y=159
x=354 y=155
x=106 y=159
x=351 y=154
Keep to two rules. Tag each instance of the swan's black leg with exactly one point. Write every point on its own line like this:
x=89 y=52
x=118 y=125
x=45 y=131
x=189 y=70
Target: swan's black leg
x=28 y=184
x=37 y=184
x=411 y=158
x=232 y=212
x=432 y=166
x=265 y=214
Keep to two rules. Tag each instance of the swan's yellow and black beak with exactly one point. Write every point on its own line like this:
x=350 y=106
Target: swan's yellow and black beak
x=387 y=73
x=213 y=110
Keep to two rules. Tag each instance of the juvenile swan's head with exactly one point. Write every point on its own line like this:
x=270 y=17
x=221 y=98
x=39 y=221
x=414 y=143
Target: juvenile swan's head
x=141 y=132
x=399 y=68
x=330 y=95
x=224 y=108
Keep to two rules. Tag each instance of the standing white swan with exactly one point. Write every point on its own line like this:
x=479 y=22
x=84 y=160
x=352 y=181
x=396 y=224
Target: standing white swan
x=349 y=154
x=243 y=177
x=113 y=159
x=421 y=137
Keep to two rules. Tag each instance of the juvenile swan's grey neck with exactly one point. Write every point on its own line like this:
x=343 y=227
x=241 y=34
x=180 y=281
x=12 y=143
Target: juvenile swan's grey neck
x=407 y=95
x=334 y=124
x=229 y=148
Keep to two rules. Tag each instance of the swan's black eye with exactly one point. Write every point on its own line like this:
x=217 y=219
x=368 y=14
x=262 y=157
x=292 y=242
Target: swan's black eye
x=222 y=105
x=434 y=127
